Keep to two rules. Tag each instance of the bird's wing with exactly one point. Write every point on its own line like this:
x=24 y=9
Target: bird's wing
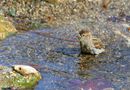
x=98 y=43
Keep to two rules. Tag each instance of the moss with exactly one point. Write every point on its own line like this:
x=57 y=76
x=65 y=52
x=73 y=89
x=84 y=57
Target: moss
x=24 y=82
x=6 y=28
x=10 y=78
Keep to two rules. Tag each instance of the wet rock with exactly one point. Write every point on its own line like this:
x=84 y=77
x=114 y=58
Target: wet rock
x=26 y=70
x=6 y=28
x=10 y=78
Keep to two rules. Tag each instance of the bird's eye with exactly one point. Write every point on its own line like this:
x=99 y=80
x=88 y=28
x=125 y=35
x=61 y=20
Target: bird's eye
x=20 y=68
x=83 y=35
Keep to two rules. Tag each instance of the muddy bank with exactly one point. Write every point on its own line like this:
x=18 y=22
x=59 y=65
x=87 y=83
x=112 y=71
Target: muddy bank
x=28 y=15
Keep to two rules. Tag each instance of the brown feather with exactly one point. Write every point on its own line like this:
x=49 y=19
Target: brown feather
x=97 y=43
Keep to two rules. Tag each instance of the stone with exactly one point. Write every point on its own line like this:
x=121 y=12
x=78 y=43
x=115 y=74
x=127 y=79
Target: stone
x=26 y=70
x=6 y=28
x=11 y=78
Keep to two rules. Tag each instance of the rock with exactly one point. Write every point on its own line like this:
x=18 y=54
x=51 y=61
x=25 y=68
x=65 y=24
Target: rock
x=26 y=70
x=11 y=78
x=6 y=28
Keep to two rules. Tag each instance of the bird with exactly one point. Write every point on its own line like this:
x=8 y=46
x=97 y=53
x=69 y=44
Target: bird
x=90 y=44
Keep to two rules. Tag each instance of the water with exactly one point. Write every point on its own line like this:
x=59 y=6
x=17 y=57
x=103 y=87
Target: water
x=54 y=52
x=56 y=56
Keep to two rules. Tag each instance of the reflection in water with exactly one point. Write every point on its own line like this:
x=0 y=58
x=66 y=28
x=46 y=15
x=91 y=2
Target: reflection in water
x=88 y=81
x=86 y=63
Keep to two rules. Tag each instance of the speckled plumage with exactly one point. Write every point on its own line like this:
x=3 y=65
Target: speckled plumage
x=89 y=44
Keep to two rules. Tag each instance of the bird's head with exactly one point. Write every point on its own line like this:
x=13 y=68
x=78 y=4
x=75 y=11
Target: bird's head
x=85 y=34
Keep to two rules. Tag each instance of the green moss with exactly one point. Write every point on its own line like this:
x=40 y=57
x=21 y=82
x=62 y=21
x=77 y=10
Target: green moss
x=6 y=28
x=9 y=79
x=24 y=82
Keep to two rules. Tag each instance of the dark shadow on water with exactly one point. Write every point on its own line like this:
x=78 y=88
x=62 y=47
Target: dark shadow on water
x=74 y=52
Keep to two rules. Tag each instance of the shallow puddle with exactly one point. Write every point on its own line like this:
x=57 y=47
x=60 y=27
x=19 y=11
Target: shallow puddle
x=57 y=56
